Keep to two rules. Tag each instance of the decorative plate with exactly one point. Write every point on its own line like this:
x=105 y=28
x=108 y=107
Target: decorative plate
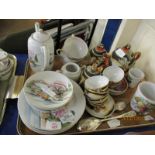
x=48 y=90
x=57 y=121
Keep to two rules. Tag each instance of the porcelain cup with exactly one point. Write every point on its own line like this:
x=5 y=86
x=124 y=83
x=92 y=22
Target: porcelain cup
x=115 y=75
x=135 y=75
x=94 y=97
x=97 y=84
x=74 y=48
x=144 y=97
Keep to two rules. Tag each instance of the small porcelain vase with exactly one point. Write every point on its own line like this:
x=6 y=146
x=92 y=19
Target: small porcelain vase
x=40 y=50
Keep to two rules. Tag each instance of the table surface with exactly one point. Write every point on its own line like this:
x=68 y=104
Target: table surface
x=8 y=127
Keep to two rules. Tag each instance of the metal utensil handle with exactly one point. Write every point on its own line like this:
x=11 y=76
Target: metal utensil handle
x=119 y=116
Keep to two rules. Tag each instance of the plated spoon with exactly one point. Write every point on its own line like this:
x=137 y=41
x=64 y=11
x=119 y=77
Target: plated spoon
x=92 y=123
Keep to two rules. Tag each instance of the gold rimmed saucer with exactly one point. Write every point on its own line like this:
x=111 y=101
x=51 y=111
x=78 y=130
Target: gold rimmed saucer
x=102 y=111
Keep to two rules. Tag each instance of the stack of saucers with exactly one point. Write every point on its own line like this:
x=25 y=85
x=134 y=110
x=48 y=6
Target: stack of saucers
x=99 y=103
x=48 y=103
x=6 y=65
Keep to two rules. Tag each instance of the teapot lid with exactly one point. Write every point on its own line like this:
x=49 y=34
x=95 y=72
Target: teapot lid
x=39 y=34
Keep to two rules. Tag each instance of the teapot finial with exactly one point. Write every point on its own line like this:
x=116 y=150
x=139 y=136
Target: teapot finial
x=72 y=35
x=37 y=26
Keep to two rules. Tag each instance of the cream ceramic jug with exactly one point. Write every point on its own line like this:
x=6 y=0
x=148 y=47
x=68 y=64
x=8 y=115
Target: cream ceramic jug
x=40 y=50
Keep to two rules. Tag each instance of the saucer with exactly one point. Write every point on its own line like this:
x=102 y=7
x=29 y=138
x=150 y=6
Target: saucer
x=48 y=90
x=33 y=121
x=120 y=88
x=105 y=112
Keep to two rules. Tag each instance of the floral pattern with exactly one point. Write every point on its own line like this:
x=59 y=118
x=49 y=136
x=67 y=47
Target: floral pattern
x=56 y=91
x=61 y=115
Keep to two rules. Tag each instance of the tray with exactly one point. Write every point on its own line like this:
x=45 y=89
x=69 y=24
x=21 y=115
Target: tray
x=126 y=123
x=4 y=86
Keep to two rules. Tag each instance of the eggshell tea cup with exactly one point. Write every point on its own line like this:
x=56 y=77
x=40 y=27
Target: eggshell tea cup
x=94 y=96
x=96 y=84
x=135 y=75
x=114 y=74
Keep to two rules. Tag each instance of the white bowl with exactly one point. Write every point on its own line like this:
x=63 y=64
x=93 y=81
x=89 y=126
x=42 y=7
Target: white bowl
x=96 y=82
x=113 y=73
x=58 y=87
x=75 y=48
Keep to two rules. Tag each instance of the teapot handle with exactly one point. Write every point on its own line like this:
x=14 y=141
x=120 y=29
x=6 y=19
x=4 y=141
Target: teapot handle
x=44 y=50
x=59 y=51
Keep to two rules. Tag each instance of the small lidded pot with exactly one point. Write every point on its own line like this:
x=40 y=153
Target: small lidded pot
x=71 y=70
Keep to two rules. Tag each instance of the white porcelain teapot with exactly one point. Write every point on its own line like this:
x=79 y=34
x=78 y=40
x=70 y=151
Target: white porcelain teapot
x=40 y=50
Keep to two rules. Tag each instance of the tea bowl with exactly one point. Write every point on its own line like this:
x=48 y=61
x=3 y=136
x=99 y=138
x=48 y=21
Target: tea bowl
x=114 y=74
x=97 y=84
